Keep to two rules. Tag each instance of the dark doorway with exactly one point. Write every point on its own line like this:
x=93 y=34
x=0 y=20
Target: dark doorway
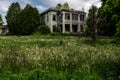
x=61 y=29
x=74 y=28
x=67 y=27
x=81 y=28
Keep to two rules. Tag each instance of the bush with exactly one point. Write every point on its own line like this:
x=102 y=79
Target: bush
x=43 y=29
x=56 y=29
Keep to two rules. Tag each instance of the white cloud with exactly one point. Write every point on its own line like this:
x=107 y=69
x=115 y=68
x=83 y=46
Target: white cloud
x=76 y=4
x=4 y=6
x=41 y=8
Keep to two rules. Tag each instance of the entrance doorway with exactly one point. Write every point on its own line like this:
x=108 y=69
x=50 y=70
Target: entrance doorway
x=74 y=28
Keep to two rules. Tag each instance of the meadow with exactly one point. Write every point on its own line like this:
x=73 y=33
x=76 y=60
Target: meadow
x=58 y=58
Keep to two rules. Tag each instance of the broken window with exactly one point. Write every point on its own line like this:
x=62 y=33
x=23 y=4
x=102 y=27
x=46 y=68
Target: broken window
x=75 y=17
x=67 y=27
x=54 y=17
x=82 y=17
x=67 y=16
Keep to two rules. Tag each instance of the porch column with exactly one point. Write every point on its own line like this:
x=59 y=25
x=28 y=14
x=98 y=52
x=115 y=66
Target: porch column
x=51 y=22
x=79 y=29
x=70 y=22
x=63 y=22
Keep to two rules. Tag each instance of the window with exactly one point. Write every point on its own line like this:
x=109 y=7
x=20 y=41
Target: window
x=81 y=28
x=54 y=17
x=74 y=28
x=75 y=17
x=82 y=17
x=67 y=27
x=67 y=16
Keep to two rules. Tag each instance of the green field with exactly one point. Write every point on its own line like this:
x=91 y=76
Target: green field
x=58 y=58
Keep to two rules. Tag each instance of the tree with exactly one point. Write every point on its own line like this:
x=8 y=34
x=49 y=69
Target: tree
x=109 y=11
x=11 y=17
x=59 y=6
x=28 y=20
x=66 y=6
x=0 y=20
x=92 y=23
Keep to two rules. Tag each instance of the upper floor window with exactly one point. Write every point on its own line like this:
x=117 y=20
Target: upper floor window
x=82 y=17
x=67 y=16
x=54 y=17
x=75 y=17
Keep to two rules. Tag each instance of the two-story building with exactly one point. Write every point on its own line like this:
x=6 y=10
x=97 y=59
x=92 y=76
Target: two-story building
x=67 y=20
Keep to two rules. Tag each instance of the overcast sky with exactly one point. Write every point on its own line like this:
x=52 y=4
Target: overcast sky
x=44 y=4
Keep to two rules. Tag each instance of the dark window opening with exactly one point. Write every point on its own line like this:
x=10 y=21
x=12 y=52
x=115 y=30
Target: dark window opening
x=54 y=17
x=67 y=27
x=81 y=28
x=82 y=17
x=61 y=28
x=56 y=28
x=75 y=17
x=75 y=28
x=67 y=16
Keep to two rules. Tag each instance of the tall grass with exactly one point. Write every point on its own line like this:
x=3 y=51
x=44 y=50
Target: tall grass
x=57 y=58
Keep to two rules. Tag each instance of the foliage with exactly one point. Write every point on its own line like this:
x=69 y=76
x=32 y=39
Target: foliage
x=109 y=11
x=65 y=6
x=56 y=29
x=11 y=17
x=22 y=22
x=45 y=57
x=28 y=21
x=92 y=23
x=59 y=6
x=43 y=29
x=0 y=20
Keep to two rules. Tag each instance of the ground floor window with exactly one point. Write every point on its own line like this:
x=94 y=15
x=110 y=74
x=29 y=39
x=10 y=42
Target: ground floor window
x=81 y=28
x=67 y=27
x=74 y=28
x=61 y=29
x=56 y=28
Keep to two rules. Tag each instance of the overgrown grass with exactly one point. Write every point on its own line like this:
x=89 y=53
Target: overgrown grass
x=58 y=58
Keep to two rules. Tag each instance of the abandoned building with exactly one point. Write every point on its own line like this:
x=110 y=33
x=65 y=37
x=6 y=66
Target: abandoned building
x=3 y=30
x=66 y=20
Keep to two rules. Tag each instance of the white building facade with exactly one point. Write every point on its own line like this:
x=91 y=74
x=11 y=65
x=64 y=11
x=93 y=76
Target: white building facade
x=66 y=20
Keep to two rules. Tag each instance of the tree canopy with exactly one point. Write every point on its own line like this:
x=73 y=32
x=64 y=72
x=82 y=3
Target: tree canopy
x=28 y=20
x=109 y=11
x=22 y=22
x=0 y=19
x=64 y=6
x=59 y=6
x=92 y=23
x=11 y=17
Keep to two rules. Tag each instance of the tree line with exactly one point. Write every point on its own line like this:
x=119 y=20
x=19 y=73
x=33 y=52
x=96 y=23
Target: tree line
x=22 y=21
x=104 y=21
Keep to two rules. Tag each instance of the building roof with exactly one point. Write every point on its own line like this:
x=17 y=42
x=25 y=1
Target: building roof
x=48 y=10
x=56 y=10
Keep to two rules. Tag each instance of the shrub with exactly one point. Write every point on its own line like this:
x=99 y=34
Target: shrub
x=43 y=29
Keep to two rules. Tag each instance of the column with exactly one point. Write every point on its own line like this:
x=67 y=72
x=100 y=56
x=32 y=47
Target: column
x=51 y=22
x=63 y=22
x=70 y=22
x=79 y=29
